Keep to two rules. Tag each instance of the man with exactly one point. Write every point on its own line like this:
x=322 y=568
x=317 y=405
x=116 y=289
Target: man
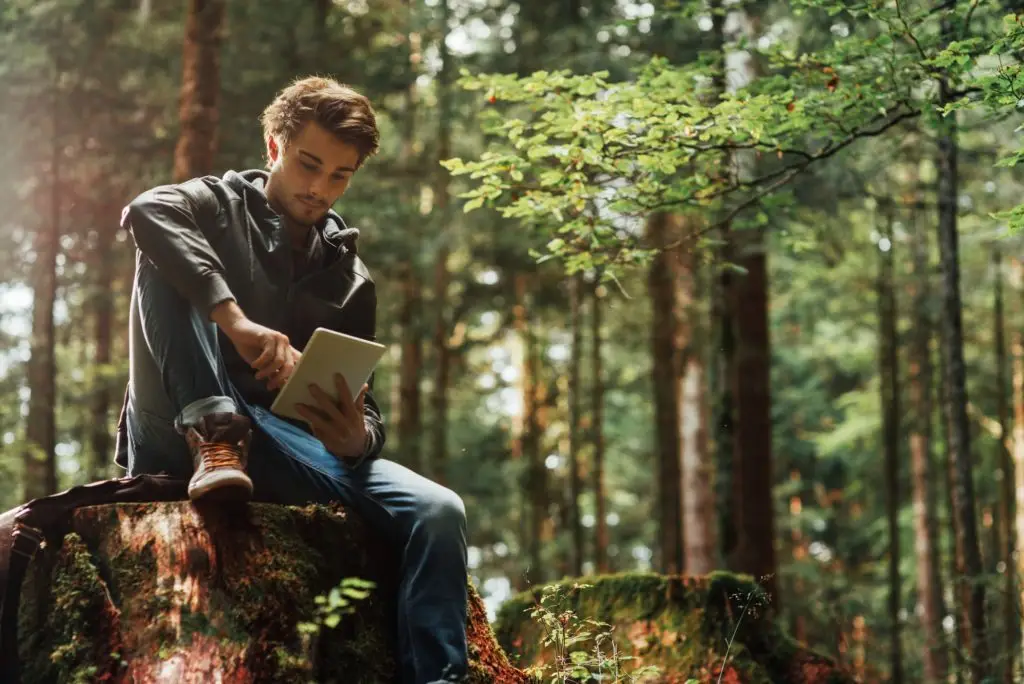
x=233 y=275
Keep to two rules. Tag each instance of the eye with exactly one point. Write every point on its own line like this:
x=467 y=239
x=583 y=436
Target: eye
x=308 y=166
x=339 y=177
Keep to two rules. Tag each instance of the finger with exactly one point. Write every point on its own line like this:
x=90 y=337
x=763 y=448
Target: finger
x=323 y=429
x=277 y=361
x=265 y=355
x=327 y=404
x=361 y=399
x=286 y=372
x=344 y=394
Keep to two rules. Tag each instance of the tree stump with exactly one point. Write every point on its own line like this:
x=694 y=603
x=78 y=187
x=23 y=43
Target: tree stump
x=182 y=593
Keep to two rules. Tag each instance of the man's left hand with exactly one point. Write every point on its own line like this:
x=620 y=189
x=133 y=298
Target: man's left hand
x=337 y=423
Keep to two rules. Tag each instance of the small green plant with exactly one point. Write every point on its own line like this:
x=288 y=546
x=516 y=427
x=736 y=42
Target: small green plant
x=330 y=608
x=583 y=649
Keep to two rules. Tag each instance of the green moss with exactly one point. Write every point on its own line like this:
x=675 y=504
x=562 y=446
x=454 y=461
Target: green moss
x=69 y=625
x=682 y=625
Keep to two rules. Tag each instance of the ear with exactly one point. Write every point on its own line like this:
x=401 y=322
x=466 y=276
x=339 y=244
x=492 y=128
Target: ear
x=273 y=151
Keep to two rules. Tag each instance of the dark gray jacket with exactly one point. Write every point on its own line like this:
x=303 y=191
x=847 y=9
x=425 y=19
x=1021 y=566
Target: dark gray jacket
x=217 y=238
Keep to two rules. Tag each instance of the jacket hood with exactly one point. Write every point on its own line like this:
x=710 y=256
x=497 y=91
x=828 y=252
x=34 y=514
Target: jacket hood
x=251 y=186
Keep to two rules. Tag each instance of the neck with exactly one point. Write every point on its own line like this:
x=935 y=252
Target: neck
x=298 y=233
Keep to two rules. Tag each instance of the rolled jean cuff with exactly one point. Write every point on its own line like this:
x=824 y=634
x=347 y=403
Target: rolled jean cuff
x=194 y=412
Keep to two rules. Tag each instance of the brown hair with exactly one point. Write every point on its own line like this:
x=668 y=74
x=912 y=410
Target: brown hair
x=336 y=107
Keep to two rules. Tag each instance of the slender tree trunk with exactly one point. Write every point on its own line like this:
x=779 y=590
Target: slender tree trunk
x=1015 y=571
x=410 y=311
x=960 y=588
x=200 y=89
x=700 y=542
x=442 y=276
x=664 y=340
x=749 y=369
x=529 y=437
x=575 y=478
x=889 y=373
x=40 y=431
x=597 y=432
x=1004 y=542
x=953 y=350
x=724 y=345
x=103 y=308
x=752 y=466
x=929 y=583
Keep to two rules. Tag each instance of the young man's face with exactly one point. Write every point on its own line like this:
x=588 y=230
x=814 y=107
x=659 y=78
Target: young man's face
x=309 y=174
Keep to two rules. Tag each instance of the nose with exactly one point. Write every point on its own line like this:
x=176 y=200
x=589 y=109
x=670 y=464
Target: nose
x=317 y=188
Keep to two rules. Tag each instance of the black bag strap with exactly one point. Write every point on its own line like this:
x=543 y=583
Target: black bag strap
x=24 y=530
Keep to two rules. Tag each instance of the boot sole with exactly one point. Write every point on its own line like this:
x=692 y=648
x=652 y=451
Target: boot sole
x=230 y=488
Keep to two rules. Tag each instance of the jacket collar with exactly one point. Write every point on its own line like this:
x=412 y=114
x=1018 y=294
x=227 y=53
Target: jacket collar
x=252 y=184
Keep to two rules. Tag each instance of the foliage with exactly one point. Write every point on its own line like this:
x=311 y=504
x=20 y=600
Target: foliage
x=582 y=648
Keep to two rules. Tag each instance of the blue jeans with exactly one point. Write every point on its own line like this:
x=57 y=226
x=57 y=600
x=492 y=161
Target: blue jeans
x=424 y=520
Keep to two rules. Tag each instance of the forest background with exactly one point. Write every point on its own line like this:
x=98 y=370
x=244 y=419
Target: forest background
x=675 y=287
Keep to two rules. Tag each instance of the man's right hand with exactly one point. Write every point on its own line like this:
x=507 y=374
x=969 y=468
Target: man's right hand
x=268 y=351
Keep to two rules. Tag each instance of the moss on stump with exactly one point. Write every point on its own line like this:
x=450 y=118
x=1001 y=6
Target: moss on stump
x=681 y=625
x=171 y=592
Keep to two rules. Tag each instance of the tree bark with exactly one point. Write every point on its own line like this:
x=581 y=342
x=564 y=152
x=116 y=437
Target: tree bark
x=1003 y=531
x=200 y=89
x=196 y=594
x=1015 y=571
x=102 y=397
x=597 y=432
x=926 y=532
x=952 y=334
x=665 y=371
x=40 y=430
x=889 y=373
x=700 y=544
x=752 y=465
x=960 y=589
x=575 y=478
x=410 y=418
x=442 y=276
x=529 y=437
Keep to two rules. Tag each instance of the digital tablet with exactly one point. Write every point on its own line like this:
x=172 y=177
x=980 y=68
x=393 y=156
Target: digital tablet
x=328 y=352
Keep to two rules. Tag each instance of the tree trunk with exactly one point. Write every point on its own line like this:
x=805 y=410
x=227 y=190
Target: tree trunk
x=1004 y=543
x=410 y=419
x=926 y=532
x=664 y=338
x=700 y=545
x=103 y=307
x=597 y=433
x=529 y=437
x=889 y=374
x=575 y=478
x=442 y=351
x=1015 y=571
x=953 y=350
x=960 y=588
x=721 y=324
x=752 y=466
x=40 y=430
x=200 y=89
x=173 y=592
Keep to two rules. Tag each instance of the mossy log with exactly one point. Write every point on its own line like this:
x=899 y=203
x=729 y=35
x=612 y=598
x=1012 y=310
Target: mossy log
x=172 y=592
x=684 y=626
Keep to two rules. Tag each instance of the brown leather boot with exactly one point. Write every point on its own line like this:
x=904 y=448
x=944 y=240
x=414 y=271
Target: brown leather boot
x=220 y=451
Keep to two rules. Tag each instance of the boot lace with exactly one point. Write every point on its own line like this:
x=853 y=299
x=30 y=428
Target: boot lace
x=218 y=455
